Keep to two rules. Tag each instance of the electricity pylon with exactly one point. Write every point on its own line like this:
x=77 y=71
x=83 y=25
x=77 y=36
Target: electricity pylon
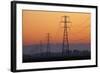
x=48 y=44
x=65 y=44
x=41 y=46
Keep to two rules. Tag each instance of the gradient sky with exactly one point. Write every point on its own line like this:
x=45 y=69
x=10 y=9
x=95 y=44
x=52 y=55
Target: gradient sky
x=36 y=25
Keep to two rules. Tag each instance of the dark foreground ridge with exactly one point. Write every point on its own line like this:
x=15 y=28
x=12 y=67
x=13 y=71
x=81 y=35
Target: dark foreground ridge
x=50 y=56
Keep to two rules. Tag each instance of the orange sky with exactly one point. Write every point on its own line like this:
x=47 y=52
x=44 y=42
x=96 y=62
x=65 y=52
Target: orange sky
x=36 y=25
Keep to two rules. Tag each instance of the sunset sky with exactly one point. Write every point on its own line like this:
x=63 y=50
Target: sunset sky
x=36 y=25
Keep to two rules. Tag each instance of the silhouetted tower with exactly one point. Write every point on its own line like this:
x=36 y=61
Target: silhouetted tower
x=41 y=46
x=65 y=44
x=48 y=43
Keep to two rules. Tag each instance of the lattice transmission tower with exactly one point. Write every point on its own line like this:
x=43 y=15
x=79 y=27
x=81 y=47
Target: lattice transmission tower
x=48 y=44
x=65 y=43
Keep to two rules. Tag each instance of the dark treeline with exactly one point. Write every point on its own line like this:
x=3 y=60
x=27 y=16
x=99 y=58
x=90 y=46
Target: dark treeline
x=57 y=56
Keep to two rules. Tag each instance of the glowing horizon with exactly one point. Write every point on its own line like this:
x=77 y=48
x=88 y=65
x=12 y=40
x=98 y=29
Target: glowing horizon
x=36 y=25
